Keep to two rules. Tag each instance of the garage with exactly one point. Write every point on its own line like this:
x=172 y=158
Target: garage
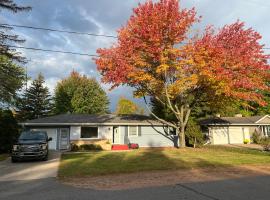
x=52 y=132
x=219 y=135
x=236 y=135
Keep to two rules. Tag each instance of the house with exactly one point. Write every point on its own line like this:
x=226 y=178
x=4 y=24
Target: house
x=234 y=130
x=103 y=129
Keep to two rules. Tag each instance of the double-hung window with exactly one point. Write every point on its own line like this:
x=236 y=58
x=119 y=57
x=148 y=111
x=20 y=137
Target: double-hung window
x=133 y=131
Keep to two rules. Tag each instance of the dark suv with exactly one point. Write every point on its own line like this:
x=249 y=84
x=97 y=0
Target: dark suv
x=31 y=145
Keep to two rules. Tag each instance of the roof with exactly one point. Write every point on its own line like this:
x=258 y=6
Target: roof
x=87 y=119
x=253 y=120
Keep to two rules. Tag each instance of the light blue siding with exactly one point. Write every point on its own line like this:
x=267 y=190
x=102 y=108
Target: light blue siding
x=148 y=136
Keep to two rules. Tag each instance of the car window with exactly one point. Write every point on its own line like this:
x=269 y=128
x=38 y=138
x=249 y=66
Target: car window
x=33 y=135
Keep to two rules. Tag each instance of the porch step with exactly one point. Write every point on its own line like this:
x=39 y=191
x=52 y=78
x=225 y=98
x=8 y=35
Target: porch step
x=120 y=147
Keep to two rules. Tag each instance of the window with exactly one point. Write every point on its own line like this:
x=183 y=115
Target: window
x=171 y=131
x=89 y=132
x=133 y=131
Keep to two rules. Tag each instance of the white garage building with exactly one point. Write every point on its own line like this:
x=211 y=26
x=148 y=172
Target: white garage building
x=234 y=130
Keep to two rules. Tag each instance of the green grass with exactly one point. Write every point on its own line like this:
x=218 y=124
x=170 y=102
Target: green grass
x=106 y=162
x=3 y=157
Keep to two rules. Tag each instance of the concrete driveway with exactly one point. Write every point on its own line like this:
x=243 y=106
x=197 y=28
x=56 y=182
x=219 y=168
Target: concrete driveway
x=29 y=170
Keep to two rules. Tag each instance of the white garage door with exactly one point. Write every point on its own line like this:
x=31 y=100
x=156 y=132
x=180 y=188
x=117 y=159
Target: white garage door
x=52 y=132
x=220 y=135
x=236 y=135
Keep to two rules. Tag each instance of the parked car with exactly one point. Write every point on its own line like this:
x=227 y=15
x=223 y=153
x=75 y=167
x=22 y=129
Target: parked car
x=31 y=145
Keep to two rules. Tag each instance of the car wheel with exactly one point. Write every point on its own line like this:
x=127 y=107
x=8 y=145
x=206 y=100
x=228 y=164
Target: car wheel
x=14 y=160
x=46 y=157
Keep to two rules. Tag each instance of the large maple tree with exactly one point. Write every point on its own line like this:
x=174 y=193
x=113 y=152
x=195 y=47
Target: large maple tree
x=156 y=54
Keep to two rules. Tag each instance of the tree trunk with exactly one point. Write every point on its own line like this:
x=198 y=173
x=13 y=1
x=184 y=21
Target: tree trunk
x=182 y=140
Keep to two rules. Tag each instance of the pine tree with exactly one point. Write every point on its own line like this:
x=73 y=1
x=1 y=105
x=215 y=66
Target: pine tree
x=7 y=39
x=36 y=101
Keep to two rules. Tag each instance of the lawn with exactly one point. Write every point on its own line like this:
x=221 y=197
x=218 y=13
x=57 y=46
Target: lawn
x=106 y=162
x=3 y=156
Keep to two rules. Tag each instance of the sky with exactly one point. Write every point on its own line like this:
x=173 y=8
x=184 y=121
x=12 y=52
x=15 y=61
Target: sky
x=106 y=17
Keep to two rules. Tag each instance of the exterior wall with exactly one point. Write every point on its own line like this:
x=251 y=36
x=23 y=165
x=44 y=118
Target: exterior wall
x=104 y=137
x=148 y=136
x=266 y=120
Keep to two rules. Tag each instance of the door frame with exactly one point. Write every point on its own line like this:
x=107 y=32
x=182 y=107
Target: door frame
x=68 y=138
x=119 y=132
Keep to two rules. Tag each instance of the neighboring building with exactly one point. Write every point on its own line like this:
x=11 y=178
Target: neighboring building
x=103 y=129
x=234 y=130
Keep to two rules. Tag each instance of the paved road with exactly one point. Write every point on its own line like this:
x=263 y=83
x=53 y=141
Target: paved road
x=257 y=188
x=31 y=181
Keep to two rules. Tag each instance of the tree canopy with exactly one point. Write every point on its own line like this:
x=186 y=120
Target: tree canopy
x=12 y=78
x=35 y=102
x=7 y=39
x=126 y=106
x=156 y=55
x=80 y=94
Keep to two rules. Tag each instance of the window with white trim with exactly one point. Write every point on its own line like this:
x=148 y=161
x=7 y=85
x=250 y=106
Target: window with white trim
x=133 y=131
x=89 y=132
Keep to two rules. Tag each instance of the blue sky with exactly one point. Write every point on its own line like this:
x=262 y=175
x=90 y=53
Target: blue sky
x=105 y=17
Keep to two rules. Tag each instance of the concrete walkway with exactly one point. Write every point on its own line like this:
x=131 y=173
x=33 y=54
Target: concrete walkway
x=30 y=170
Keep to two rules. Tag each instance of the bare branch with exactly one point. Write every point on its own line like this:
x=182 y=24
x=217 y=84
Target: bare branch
x=159 y=119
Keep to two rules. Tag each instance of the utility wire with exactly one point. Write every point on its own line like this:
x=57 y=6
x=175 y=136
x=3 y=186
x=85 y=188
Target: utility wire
x=57 y=30
x=55 y=51
x=58 y=51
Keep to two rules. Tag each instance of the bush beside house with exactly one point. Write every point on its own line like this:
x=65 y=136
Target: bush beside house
x=8 y=131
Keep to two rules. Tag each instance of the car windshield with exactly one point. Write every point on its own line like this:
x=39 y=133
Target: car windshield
x=33 y=135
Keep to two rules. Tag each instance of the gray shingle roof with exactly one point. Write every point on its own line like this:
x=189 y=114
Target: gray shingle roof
x=231 y=120
x=93 y=119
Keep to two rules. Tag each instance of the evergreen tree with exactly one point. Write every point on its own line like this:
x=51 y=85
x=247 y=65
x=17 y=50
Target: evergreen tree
x=12 y=78
x=11 y=75
x=7 y=39
x=36 y=101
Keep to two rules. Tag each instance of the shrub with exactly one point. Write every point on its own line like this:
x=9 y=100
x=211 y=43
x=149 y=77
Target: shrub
x=133 y=146
x=256 y=137
x=8 y=131
x=74 y=147
x=265 y=144
x=90 y=147
x=246 y=141
x=194 y=136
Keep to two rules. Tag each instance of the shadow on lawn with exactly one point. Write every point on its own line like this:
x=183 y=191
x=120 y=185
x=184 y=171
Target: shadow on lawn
x=104 y=163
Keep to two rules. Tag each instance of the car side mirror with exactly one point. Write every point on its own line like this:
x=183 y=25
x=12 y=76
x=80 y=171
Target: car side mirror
x=49 y=139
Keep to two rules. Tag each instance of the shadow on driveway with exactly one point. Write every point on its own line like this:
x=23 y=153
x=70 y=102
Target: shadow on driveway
x=28 y=170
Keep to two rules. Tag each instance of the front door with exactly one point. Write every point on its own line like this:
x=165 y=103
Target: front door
x=116 y=135
x=63 y=138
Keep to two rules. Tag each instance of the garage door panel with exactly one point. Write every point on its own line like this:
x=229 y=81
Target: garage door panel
x=220 y=135
x=236 y=135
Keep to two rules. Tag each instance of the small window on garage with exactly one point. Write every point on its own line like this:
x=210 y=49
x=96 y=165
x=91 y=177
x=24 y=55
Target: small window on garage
x=171 y=131
x=89 y=132
x=133 y=131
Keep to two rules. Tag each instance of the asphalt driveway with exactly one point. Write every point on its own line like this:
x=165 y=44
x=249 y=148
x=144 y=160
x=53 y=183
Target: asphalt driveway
x=30 y=170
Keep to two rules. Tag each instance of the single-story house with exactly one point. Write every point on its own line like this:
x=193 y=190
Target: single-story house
x=234 y=130
x=107 y=129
